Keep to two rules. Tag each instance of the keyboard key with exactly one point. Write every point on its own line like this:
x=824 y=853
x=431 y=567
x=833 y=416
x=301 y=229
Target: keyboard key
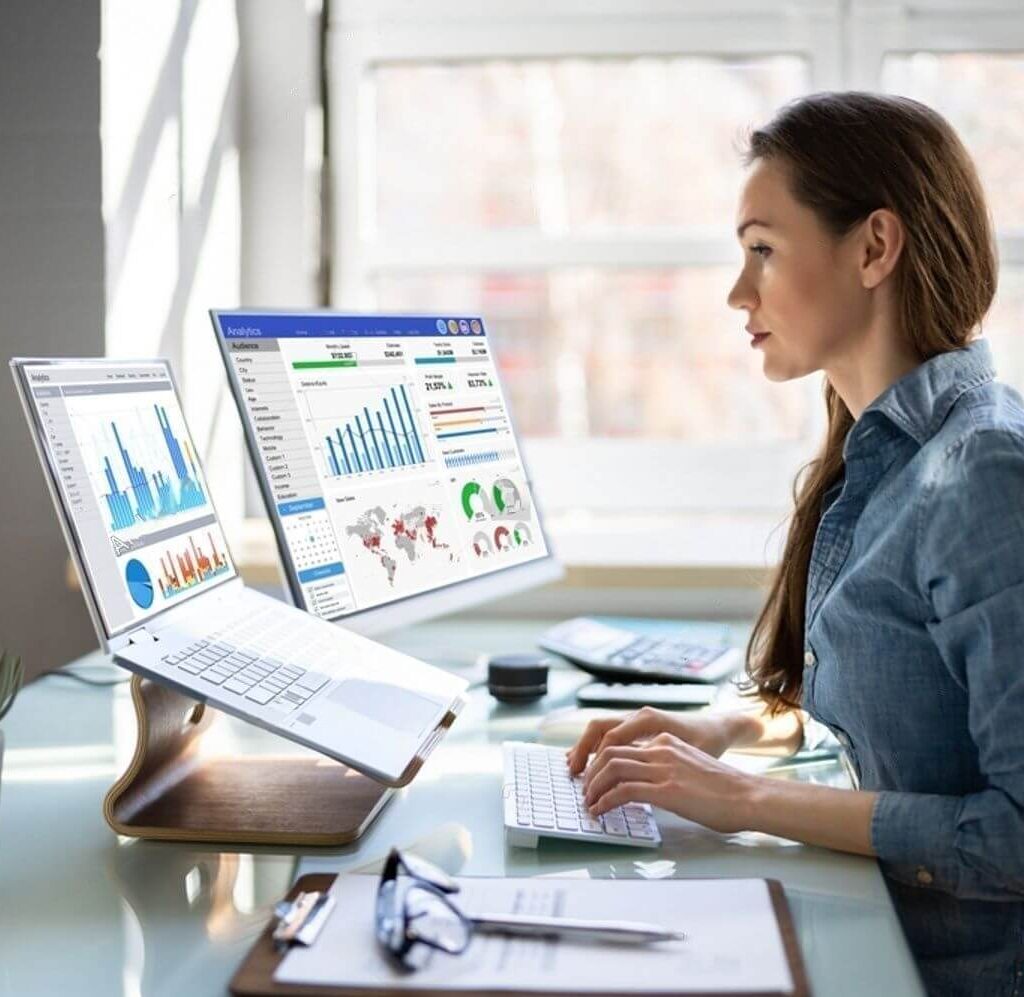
x=568 y=823
x=192 y=667
x=644 y=833
x=313 y=681
x=260 y=695
x=234 y=685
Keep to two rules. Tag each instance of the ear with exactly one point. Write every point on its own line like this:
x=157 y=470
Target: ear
x=883 y=238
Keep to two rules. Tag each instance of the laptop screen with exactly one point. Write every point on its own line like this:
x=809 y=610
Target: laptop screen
x=385 y=450
x=130 y=483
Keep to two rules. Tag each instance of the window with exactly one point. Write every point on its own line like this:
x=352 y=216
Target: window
x=562 y=151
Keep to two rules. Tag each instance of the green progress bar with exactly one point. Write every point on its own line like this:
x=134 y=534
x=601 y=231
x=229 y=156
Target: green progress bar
x=318 y=364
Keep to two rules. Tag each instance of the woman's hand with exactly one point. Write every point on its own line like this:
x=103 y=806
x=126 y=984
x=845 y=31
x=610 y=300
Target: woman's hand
x=710 y=732
x=671 y=774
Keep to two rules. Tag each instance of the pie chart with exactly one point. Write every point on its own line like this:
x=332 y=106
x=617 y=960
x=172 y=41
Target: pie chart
x=140 y=585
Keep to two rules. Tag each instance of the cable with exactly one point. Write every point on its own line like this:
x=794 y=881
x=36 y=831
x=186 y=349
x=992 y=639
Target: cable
x=64 y=673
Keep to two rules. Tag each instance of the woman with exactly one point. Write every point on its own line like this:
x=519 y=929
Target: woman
x=896 y=617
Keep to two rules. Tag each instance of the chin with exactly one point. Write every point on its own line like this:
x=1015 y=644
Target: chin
x=781 y=372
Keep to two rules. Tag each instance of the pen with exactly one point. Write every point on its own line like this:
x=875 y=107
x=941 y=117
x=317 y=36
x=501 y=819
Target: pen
x=623 y=931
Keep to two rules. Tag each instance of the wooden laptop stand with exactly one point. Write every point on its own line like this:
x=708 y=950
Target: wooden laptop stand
x=172 y=792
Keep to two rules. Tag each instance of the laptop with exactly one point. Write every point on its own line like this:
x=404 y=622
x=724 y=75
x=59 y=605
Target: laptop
x=163 y=588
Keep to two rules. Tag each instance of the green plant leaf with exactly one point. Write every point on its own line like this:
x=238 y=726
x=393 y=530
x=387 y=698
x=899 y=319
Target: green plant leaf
x=11 y=676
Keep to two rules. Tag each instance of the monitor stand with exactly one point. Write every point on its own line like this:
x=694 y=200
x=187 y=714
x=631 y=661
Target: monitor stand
x=172 y=791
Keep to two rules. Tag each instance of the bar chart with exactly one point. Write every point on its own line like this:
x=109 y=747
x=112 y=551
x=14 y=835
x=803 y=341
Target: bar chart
x=381 y=436
x=151 y=493
x=184 y=569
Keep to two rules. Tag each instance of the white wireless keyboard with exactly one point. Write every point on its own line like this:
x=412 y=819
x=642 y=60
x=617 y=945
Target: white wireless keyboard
x=543 y=800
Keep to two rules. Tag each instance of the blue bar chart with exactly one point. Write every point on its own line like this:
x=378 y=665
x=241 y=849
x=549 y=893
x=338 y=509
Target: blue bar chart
x=380 y=439
x=151 y=494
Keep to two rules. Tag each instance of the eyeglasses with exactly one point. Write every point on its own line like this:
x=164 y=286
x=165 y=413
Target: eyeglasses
x=417 y=916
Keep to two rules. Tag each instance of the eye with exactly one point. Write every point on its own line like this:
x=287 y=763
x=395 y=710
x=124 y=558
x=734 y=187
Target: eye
x=760 y=249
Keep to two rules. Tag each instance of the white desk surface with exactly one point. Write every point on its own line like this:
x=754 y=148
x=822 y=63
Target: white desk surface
x=83 y=912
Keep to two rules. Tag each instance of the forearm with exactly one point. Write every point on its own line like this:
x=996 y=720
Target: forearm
x=839 y=819
x=753 y=731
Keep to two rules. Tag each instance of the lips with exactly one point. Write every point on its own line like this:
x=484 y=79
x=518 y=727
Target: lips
x=757 y=337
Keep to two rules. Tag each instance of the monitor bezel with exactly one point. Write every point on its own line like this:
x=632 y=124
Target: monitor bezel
x=109 y=638
x=449 y=598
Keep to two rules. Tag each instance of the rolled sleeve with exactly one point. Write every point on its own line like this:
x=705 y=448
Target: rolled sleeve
x=914 y=837
x=971 y=558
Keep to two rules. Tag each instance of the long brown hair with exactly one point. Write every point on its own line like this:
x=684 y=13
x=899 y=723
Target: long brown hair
x=844 y=156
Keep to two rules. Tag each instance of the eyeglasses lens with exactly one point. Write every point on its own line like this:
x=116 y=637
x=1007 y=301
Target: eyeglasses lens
x=430 y=919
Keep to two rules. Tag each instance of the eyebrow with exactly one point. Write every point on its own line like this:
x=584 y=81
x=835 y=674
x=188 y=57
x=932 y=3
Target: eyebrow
x=747 y=224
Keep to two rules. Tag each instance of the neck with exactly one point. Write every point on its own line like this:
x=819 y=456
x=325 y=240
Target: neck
x=878 y=359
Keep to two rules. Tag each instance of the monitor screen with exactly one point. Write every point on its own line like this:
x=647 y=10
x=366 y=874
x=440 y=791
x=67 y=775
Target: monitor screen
x=131 y=488
x=385 y=451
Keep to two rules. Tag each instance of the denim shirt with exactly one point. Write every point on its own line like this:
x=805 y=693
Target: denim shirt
x=914 y=657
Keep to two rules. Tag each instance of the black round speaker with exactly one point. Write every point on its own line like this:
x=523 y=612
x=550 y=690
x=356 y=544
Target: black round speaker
x=517 y=678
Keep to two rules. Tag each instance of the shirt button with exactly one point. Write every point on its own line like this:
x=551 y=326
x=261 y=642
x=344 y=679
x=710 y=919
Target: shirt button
x=924 y=877
x=809 y=658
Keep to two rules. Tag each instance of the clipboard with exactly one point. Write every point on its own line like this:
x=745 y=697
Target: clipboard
x=255 y=977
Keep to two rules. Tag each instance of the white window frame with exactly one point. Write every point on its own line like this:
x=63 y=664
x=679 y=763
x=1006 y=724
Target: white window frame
x=674 y=476
x=878 y=28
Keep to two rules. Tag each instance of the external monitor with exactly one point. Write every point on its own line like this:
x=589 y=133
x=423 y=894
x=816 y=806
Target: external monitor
x=386 y=456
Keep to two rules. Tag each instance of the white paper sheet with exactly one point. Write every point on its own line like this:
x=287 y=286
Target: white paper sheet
x=733 y=941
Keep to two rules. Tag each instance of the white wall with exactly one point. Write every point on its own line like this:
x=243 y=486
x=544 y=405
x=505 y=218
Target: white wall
x=51 y=293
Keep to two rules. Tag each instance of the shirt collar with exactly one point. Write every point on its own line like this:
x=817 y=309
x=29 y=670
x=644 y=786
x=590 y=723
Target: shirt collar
x=919 y=402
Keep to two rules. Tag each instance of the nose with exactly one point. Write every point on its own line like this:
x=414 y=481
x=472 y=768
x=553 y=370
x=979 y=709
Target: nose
x=742 y=294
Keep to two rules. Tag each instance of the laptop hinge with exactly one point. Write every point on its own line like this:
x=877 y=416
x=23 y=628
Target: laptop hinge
x=142 y=636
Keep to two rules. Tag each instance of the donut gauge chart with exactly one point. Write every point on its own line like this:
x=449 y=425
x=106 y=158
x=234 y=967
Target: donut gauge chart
x=507 y=498
x=475 y=503
x=522 y=535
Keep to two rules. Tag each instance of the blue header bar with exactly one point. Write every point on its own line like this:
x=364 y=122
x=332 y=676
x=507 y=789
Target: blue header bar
x=320 y=325
x=301 y=505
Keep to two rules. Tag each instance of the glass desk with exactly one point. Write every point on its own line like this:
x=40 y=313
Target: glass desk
x=83 y=912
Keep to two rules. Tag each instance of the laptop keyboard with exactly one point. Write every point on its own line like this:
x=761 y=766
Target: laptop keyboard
x=543 y=800
x=264 y=681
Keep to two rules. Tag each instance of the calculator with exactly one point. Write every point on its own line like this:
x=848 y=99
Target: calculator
x=615 y=654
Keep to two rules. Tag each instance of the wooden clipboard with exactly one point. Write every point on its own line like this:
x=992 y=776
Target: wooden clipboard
x=255 y=977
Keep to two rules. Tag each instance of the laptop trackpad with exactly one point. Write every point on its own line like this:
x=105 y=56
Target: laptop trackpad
x=388 y=704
